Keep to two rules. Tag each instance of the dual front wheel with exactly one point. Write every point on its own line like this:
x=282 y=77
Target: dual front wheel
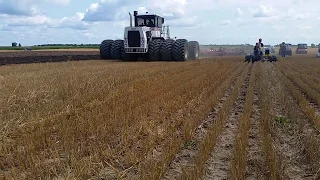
x=112 y=49
x=158 y=49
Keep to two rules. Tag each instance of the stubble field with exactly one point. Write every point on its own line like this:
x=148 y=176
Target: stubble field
x=214 y=118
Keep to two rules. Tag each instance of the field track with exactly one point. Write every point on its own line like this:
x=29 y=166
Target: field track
x=215 y=118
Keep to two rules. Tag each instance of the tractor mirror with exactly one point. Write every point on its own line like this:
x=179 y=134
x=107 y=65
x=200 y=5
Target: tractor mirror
x=162 y=20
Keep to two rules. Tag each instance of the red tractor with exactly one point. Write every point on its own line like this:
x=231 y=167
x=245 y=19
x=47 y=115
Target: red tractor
x=302 y=49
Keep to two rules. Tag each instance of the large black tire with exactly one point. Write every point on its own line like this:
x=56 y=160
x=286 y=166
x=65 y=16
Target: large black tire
x=117 y=49
x=180 y=50
x=247 y=58
x=194 y=49
x=154 y=49
x=255 y=58
x=275 y=59
x=166 y=50
x=105 y=48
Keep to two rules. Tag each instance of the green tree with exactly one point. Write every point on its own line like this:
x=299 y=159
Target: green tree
x=313 y=45
x=14 y=44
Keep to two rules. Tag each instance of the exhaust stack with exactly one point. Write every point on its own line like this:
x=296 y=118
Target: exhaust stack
x=130 y=19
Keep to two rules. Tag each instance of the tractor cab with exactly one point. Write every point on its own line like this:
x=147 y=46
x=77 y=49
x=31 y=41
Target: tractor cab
x=149 y=20
x=302 y=46
x=142 y=30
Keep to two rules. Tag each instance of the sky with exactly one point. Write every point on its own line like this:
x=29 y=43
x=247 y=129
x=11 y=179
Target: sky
x=31 y=22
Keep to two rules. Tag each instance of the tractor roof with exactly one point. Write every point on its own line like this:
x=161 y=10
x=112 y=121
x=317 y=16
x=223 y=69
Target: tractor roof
x=146 y=14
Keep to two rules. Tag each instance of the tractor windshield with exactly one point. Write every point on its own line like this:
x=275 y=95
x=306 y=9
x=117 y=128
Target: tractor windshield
x=302 y=46
x=140 y=21
x=147 y=20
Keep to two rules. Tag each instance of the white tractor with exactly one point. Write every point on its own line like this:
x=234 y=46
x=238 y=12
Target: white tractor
x=149 y=39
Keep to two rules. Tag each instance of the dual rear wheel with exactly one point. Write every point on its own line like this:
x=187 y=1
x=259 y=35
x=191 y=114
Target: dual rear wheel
x=179 y=50
x=112 y=49
x=173 y=50
x=158 y=49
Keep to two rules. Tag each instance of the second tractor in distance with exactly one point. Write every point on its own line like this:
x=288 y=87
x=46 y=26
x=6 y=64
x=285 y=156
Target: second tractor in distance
x=302 y=48
x=288 y=50
x=149 y=39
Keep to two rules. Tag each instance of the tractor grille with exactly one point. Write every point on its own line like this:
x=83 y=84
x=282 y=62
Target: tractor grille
x=134 y=38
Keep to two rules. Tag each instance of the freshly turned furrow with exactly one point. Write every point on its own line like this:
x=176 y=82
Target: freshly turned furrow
x=309 y=108
x=155 y=166
x=25 y=57
x=239 y=154
x=185 y=155
x=206 y=145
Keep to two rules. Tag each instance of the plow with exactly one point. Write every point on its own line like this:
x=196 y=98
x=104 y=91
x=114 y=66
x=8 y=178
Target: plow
x=262 y=55
x=211 y=52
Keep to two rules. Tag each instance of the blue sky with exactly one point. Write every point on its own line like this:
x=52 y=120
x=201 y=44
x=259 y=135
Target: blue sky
x=209 y=21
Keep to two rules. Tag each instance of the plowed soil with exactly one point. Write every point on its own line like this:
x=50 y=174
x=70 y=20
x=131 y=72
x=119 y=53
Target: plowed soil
x=23 y=57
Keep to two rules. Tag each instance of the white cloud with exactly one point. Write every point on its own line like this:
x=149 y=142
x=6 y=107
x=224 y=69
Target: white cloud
x=264 y=11
x=29 y=21
x=74 y=22
x=209 y=21
x=226 y=23
x=113 y=10
x=174 y=12
x=59 y=2
x=26 y=7
x=304 y=27
x=238 y=12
